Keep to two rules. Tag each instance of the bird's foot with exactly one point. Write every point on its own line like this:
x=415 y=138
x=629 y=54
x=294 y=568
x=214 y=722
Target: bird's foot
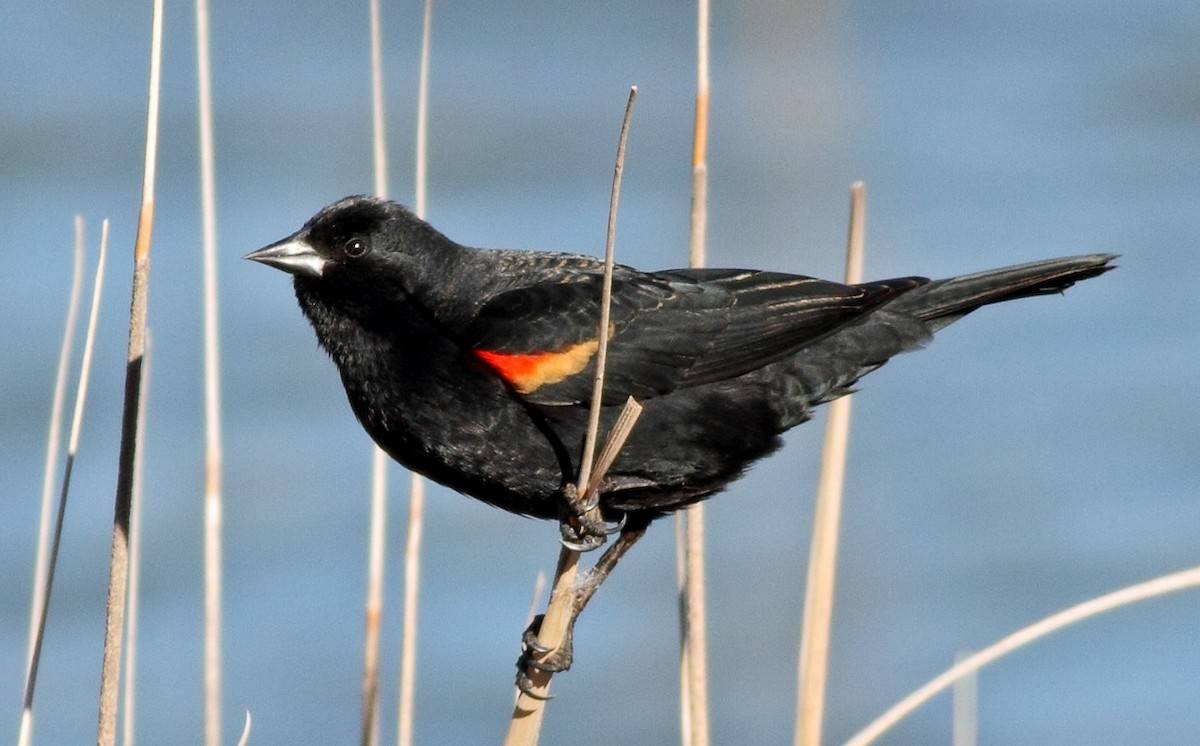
x=580 y=524
x=584 y=536
x=539 y=661
x=536 y=656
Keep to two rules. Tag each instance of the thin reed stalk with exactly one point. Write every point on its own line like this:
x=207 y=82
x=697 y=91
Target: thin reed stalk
x=408 y=631
x=378 y=115
x=1159 y=586
x=422 y=147
x=377 y=539
x=244 y=738
x=373 y=615
x=213 y=470
x=822 y=560
x=54 y=439
x=965 y=708
x=685 y=671
x=85 y=367
x=416 y=492
x=110 y=673
x=535 y=599
x=693 y=664
x=526 y=723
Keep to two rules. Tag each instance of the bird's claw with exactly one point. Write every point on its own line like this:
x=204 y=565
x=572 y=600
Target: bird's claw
x=529 y=638
x=525 y=686
x=581 y=526
x=617 y=527
x=538 y=657
x=584 y=536
x=585 y=543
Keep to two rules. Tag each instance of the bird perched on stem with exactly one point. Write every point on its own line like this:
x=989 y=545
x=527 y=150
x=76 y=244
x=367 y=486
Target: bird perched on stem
x=474 y=367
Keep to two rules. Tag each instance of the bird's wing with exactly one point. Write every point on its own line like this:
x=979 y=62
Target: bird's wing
x=667 y=330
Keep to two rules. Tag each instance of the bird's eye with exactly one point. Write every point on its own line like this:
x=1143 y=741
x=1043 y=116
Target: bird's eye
x=355 y=248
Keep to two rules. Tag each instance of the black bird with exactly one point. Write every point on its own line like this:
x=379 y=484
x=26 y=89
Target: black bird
x=474 y=367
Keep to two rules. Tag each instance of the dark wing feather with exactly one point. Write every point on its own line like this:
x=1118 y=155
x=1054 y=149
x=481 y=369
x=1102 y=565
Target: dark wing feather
x=669 y=329
x=543 y=317
x=776 y=314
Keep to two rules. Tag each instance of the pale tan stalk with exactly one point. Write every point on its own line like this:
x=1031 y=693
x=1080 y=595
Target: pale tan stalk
x=110 y=670
x=408 y=631
x=421 y=179
x=681 y=577
x=822 y=561
x=26 y=728
x=213 y=500
x=526 y=723
x=377 y=538
x=535 y=600
x=373 y=611
x=693 y=663
x=54 y=444
x=1160 y=586
x=539 y=587
x=244 y=739
x=378 y=116
x=965 y=708
x=416 y=492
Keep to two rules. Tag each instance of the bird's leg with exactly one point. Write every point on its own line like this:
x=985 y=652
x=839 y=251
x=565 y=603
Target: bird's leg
x=580 y=523
x=534 y=655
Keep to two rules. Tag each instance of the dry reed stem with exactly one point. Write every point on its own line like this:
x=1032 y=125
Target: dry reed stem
x=529 y=710
x=535 y=599
x=85 y=368
x=377 y=533
x=965 y=708
x=245 y=737
x=416 y=492
x=1159 y=586
x=213 y=500
x=54 y=439
x=681 y=576
x=612 y=445
x=589 y=444
x=408 y=624
x=422 y=145
x=373 y=607
x=822 y=561
x=696 y=627
x=129 y=685
x=378 y=117
x=693 y=666
x=119 y=563
x=526 y=723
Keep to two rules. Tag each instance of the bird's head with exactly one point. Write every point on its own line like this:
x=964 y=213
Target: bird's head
x=357 y=243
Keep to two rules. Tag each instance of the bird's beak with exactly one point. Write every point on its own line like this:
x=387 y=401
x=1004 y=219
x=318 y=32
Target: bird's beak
x=293 y=255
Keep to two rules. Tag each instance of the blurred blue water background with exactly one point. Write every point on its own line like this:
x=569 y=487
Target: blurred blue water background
x=1034 y=456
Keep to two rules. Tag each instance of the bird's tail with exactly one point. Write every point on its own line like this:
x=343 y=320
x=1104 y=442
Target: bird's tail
x=940 y=302
x=830 y=367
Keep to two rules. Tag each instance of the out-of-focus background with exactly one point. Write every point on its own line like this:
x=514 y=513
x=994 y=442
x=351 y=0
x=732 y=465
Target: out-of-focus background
x=1036 y=455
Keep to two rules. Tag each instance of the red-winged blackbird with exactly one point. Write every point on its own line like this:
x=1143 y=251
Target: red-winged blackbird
x=474 y=367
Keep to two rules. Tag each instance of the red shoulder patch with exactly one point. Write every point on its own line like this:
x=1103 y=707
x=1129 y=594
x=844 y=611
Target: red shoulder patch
x=526 y=372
